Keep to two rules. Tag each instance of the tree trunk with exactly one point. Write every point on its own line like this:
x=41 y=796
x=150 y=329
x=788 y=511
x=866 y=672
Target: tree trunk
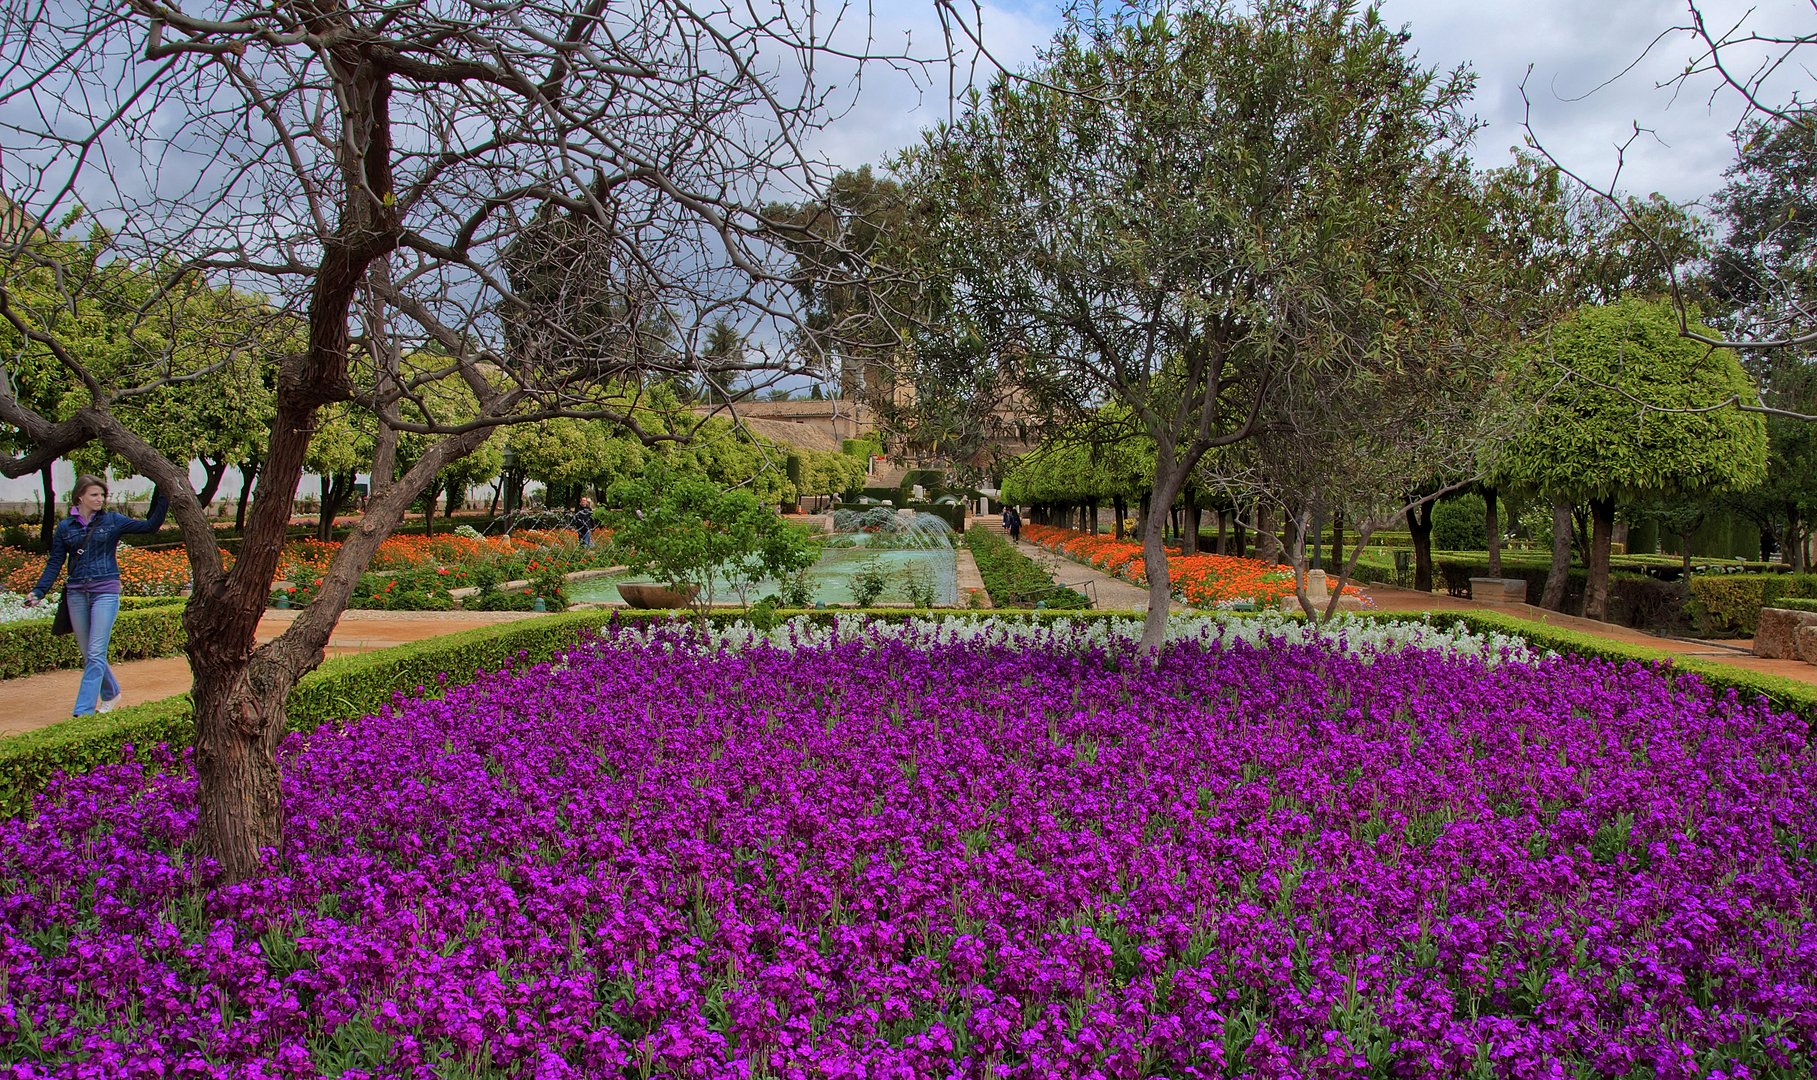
x=1558 y=579
x=1337 y=539
x=1492 y=530
x=48 y=523
x=249 y=471
x=1154 y=552
x=1121 y=510
x=212 y=472
x=240 y=717
x=1596 y=585
x=1684 y=545
x=384 y=460
x=1267 y=541
x=1190 y=541
x=429 y=498
x=1419 y=526
x=1239 y=538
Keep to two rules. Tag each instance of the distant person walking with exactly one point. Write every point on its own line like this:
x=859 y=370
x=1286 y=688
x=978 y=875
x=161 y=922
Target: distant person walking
x=1012 y=522
x=89 y=538
x=583 y=522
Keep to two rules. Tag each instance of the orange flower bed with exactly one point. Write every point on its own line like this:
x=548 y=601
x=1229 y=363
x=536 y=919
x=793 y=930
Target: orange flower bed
x=166 y=573
x=306 y=559
x=142 y=573
x=1200 y=580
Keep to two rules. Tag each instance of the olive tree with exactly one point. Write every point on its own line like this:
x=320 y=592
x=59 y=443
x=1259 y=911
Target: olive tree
x=1182 y=204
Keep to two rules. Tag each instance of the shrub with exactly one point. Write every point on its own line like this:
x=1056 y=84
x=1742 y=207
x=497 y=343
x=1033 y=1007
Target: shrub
x=140 y=633
x=869 y=582
x=795 y=591
x=1728 y=605
x=1457 y=524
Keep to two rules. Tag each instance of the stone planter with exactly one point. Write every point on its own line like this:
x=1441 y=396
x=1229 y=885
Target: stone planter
x=1498 y=590
x=1774 y=634
x=656 y=596
x=1804 y=643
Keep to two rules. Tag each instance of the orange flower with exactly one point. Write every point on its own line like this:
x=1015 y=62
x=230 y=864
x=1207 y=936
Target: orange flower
x=1200 y=580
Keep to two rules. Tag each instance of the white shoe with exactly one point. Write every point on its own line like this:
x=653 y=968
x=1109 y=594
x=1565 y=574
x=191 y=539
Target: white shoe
x=107 y=704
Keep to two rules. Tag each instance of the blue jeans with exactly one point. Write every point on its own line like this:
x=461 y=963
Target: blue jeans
x=93 y=617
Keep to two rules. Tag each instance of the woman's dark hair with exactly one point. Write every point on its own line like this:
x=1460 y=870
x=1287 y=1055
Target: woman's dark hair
x=83 y=483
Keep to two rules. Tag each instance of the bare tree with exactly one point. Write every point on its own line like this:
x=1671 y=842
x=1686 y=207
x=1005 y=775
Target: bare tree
x=1766 y=74
x=545 y=207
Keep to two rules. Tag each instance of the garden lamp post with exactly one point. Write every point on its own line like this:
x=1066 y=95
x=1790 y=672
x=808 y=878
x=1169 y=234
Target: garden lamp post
x=509 y=477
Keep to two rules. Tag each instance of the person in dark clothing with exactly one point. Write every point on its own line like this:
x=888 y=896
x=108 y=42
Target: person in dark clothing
x=89 y=539
x=583 y=522
x=1012 y=521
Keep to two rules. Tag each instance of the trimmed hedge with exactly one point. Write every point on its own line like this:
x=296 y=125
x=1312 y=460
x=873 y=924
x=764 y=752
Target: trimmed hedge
x=354 y=686
x=1635 y=600
x=1795 y=605
x=1728 y=605
x=148 y=627
x=1012 y=577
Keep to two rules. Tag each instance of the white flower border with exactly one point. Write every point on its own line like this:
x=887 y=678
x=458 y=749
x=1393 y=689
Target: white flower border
x=1360 y=637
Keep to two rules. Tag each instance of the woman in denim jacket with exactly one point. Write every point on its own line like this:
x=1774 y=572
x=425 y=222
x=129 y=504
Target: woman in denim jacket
x=89 y=537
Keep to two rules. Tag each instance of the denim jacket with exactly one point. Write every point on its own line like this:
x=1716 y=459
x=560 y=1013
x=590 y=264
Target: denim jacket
x=97 y=561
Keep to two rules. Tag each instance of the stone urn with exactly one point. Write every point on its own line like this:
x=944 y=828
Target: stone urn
x=644 y=595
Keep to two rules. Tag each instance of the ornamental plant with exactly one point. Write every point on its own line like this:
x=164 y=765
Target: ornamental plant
x=1202 y=580
x=691 y=533
x=941 y=850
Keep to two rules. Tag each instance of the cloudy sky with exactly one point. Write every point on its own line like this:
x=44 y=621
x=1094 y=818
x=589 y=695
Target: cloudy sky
x=1583 y=105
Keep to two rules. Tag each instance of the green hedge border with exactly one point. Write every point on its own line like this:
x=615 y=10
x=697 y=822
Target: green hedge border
x=1010 y=576
x=353 y=686
x=148 y=627
x=1794 y=604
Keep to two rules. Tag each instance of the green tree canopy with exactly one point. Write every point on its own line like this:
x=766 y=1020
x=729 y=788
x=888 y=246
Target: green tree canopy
x=1186 y=202
x=1637 y=415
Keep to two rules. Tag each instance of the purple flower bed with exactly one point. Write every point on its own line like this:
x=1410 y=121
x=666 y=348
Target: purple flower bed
x=936 y=858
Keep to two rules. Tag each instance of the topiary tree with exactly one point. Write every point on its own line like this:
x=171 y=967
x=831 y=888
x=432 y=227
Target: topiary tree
x=1634 y=414
x=1458 y=523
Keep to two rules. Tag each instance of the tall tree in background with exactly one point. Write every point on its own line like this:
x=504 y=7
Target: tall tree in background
x=1185 y=203
x=1639 y=419
x=464 y=178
